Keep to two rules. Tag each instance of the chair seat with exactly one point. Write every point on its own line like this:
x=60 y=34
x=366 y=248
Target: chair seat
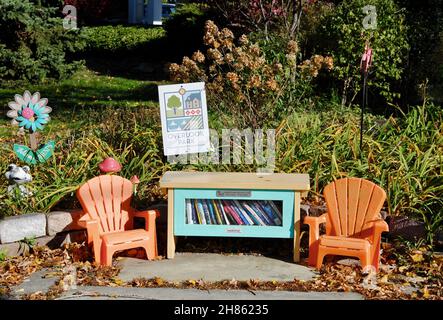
x=129 y=236
x=344 y=242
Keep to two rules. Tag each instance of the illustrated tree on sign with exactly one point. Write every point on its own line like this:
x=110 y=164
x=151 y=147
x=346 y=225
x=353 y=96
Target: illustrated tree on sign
x=174 y=103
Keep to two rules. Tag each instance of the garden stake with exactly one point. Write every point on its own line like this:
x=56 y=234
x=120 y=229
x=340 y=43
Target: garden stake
x=31 y=113
x=365 y=64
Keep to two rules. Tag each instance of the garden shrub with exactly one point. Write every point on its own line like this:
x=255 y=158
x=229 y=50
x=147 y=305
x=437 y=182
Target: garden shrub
x=242 y=85
x=119 y=38
x=403 y=155
x=33 y=43
x=184 y=29
x=425 y=23
x=345 y=40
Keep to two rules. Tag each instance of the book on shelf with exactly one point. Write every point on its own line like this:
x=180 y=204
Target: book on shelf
x=194 y=213
x=198 y=218
x=259 y=210
x=233 y=214
x=244 y=213
x=222 y=212
x=239 y=213
x=276 y=209
x=211 y=211
x=206 y=212
x=253 y=213
x=218 y=215
x=269 y=207
x=201 y=212
x=189 y=212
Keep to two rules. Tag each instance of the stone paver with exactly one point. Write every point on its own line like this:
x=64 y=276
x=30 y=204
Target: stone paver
x=39 y=281
x=185 y=266
x=20 y=227
x=129 y=293
x=59 y=221
x=214 y=267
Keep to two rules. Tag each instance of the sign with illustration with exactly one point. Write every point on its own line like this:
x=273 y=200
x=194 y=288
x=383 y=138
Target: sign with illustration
x=184 y=118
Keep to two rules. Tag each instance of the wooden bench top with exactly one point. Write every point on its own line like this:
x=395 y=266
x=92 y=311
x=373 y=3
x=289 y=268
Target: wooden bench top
x=235 y=180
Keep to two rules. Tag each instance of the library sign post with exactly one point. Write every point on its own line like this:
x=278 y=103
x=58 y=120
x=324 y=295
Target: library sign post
x=184 y=118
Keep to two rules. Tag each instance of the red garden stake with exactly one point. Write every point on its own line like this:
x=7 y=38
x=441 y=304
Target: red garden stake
x=365 y=64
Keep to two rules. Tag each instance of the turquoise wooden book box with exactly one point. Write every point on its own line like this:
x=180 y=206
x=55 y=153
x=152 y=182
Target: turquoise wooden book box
x=215 y=203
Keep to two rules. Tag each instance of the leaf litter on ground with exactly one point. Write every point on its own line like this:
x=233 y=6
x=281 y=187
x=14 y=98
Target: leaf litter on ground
x=400 y=269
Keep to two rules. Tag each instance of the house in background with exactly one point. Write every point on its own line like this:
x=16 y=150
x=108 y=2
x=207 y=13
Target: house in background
x=193 y=101
x=149 y=12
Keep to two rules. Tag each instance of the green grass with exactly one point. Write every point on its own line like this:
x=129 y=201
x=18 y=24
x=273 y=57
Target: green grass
x=86 y=91
x=89 y=89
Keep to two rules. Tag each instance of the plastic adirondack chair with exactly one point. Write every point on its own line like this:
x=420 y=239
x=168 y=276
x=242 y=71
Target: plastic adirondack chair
x=106 y=201
x=353 y=223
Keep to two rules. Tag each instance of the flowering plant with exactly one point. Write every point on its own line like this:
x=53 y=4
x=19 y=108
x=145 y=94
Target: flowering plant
x=240 y=79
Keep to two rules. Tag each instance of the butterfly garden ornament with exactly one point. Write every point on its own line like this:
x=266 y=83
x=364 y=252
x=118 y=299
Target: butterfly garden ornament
x=31 y=114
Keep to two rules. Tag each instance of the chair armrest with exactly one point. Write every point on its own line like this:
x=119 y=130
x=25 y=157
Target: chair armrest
x=315 y=221
x=314 y=227
x=149 y=215
x=92 y=229
x=380 y=226
x=314 y=235
x=376 y=226
x=372 y=230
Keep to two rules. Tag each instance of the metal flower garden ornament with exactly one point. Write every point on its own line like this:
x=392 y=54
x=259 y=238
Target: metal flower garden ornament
x=31 y=114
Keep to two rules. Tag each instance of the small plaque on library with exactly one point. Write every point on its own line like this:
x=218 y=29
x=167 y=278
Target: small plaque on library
x=184 y=118
x=233 y=193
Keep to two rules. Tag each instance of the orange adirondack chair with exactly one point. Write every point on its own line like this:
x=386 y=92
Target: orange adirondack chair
x=353 y=223
x=106 y=200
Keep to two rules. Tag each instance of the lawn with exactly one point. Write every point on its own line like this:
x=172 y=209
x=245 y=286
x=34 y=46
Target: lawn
x=86 y=90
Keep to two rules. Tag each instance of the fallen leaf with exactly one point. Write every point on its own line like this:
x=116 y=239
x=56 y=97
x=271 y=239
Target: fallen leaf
x=426 y=294
x=418 y=257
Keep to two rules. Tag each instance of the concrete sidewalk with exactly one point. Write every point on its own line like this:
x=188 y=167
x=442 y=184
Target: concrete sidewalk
x=214 y=267
x=129 y=293
x=191 y=266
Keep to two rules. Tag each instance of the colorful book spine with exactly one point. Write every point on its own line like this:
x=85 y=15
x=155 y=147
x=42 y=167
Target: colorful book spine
x=201 y=211
x=218 y=215
x=220 y=211
x=244 y=213
x=271 y=214
x=211 y=211
x=275 y=208
x=228 y=208
x=198 y=219
x=189 y=212
x=254 y=214
x=206 y=212
x=194 y=213
x=239 y=213
x=229 y=218
x=256 y=207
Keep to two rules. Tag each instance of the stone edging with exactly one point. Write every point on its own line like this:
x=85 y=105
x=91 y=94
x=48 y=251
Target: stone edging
x=52 y=229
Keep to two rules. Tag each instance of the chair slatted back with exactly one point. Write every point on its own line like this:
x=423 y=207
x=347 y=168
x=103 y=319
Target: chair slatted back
x=107 y=199
x=351 y=203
